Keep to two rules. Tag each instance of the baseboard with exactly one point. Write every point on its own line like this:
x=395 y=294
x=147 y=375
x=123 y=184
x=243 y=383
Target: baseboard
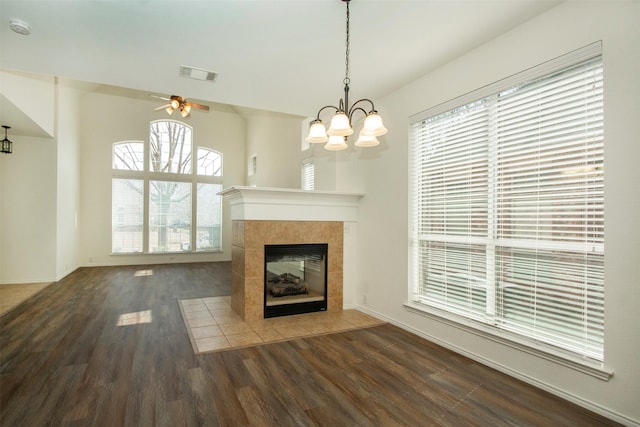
x=605 y=412
x=68 y=272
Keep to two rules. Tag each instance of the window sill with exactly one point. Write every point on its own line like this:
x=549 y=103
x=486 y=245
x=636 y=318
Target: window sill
x=586 y=366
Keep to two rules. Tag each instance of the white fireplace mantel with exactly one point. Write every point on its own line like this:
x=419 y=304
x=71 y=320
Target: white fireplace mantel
x=286 y=204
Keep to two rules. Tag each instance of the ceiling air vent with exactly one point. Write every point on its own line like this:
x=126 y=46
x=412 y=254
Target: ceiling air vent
x=197 y=74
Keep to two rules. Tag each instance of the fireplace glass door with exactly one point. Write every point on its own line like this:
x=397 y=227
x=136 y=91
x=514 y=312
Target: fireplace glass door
x=295 y=279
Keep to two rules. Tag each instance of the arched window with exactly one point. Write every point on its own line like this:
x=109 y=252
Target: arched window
x=209 y=162
x=128 y=156
x=160 y=202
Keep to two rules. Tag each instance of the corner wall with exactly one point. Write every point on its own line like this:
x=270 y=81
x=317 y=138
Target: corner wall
x=67 y=178
x=383 y=228
x=28 y=184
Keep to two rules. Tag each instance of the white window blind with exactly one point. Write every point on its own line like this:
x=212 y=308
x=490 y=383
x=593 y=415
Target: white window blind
x=508 y=207
x=308 y=174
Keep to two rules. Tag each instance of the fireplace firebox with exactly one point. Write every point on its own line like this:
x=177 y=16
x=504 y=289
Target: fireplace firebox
x=295 y=279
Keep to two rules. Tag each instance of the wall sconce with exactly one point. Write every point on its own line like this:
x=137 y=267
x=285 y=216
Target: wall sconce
x=6 y=145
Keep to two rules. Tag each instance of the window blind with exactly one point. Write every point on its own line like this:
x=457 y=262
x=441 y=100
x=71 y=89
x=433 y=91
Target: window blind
x=508 y=208
x=308 y=174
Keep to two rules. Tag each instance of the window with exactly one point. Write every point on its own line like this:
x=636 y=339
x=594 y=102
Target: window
x=161 y=202
x=308 y=174
x=127 y=215
x=508 y=206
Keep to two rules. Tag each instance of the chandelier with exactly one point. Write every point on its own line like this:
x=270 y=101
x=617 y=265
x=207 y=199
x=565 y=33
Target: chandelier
x=5 y=144
x=340 y=127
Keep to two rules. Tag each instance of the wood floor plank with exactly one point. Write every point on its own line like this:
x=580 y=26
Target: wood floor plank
x=66 y=360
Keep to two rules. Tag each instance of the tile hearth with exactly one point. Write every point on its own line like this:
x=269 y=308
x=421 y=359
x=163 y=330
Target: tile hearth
x=213 y=326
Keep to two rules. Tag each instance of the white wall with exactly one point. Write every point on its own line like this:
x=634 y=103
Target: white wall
x=107 y=119
x=275 y=140
x=28 y=221
x=383 y=223
x=324 y=164
x=28 y=185
x=67 y=178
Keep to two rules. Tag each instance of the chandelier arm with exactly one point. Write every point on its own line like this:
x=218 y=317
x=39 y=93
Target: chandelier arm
x=353 y=110
x=373 y=107
x=324 y=108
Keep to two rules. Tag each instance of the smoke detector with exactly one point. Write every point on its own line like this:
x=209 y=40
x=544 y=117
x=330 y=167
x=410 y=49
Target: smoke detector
x=20 y=27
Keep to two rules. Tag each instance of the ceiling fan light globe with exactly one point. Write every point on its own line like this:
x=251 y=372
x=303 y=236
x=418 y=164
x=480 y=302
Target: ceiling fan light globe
x=169 y=110
x=175 y=104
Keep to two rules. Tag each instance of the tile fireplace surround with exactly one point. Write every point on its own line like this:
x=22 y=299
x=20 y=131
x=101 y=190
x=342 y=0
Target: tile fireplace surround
x=272 y=216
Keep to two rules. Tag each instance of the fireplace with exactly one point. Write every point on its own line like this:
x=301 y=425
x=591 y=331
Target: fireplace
x=295 y=279
x=249 y=273
x=280 y=217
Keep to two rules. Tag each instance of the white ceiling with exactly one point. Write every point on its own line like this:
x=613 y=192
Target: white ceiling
x=279 y=55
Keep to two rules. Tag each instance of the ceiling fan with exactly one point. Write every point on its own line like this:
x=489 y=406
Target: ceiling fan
x=179 y=103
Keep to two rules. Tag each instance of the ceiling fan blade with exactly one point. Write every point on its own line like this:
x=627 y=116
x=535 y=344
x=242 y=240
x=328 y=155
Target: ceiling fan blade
x=198 y=106
x=162 y=107
x=160 y=97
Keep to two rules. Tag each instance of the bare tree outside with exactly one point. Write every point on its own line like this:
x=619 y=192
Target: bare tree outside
x=170 y=152
x=170 y=146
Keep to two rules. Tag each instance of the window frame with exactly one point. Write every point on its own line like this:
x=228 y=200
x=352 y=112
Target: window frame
x=568 y=358
x=147 y=175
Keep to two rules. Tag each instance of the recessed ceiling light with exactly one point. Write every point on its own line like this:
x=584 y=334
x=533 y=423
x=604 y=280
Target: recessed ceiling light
x=197 y=73
x=20 y=27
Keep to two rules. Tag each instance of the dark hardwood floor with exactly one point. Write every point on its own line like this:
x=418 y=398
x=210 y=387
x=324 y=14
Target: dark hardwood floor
x=65 y=362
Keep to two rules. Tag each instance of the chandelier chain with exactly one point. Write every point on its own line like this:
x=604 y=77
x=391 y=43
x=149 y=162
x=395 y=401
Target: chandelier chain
x=346 y=62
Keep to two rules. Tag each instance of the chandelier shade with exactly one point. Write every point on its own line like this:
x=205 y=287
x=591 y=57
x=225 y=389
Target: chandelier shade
x=336 y=143
x=373 y=125
x=366 y=141
x=317 y=132
x=341 y=123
